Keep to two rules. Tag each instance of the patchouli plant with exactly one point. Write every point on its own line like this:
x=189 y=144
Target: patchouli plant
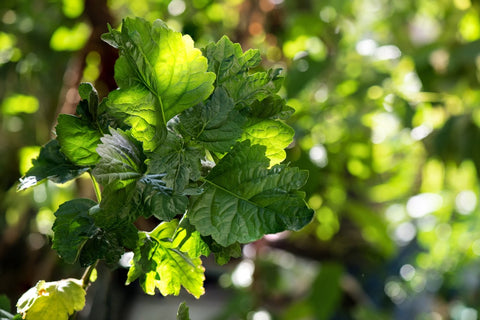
x=191 y=137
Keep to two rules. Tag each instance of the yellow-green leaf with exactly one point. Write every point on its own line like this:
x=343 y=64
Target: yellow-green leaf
x=52 y=300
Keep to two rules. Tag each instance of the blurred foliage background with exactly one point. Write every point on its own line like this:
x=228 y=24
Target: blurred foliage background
x=387 y=122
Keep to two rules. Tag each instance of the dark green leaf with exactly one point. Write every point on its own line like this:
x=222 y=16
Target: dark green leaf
x=154 y=198
x=223 y=254
x=122 y=160
x=72 y=228
x=5 y=302
x=51 y=164
x=179 y=161
x=183 y=313
x=243 y=199
x=215 y=124
x=102 y=245
x=88 y=107
x=157 y=263
x=273 y=107
x=78 y=139
x=160 y=74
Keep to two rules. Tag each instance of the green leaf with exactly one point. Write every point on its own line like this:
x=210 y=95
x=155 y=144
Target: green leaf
x=183 y=313
x=273 y=134
x=4 y=302
x=157 y=263
x=243 y=199
x=85 y=232
x=106 y=245
x=188 y=239
x=140 y=109
x=51 y=164
x=122 y=160
x=272 y=107
x=88 y=106
x=223 y=254
x=72 y=228
x=215 y=124
x=228 y=61
x=52 y=300
x=179 y=161
x=154 y=198
x=160 y=74
x=231 y=66
x=78 y=139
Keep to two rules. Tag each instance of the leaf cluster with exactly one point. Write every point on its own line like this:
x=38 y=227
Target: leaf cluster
x=191 y=137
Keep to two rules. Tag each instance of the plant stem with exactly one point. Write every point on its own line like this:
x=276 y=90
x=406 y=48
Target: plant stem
x=89 y=270
x=96 y=187
x=87 y=274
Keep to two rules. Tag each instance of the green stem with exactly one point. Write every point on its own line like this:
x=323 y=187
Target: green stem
x=96 y=187
x=87 y=274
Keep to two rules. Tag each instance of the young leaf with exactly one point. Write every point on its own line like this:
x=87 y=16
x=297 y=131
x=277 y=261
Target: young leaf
x=72 y=228
x=179 y=161
x=231 y=66
x=78 y=139
x=182 y=312
x=243 y=199
x=228 y=61
x=157 y=263
x=52 y=300
x=215 y=124
x=51 y=164
x=122 y=160
x=160 y=74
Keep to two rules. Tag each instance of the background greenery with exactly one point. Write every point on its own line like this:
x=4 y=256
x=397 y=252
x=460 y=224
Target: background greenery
x=387 y=122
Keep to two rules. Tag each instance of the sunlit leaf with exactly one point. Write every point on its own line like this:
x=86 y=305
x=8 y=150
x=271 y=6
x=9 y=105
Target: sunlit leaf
x=52 y=300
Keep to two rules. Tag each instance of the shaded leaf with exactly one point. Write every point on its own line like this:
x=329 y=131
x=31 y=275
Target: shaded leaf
x=122 y=160
x=72 y=228
x=215 y=124
x=182 y=312
x=223 y=254
x=154 y=198
x=272 y=107
x=179 y=161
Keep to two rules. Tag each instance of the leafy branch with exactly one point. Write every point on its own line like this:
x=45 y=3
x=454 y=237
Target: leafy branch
x=191 y=137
